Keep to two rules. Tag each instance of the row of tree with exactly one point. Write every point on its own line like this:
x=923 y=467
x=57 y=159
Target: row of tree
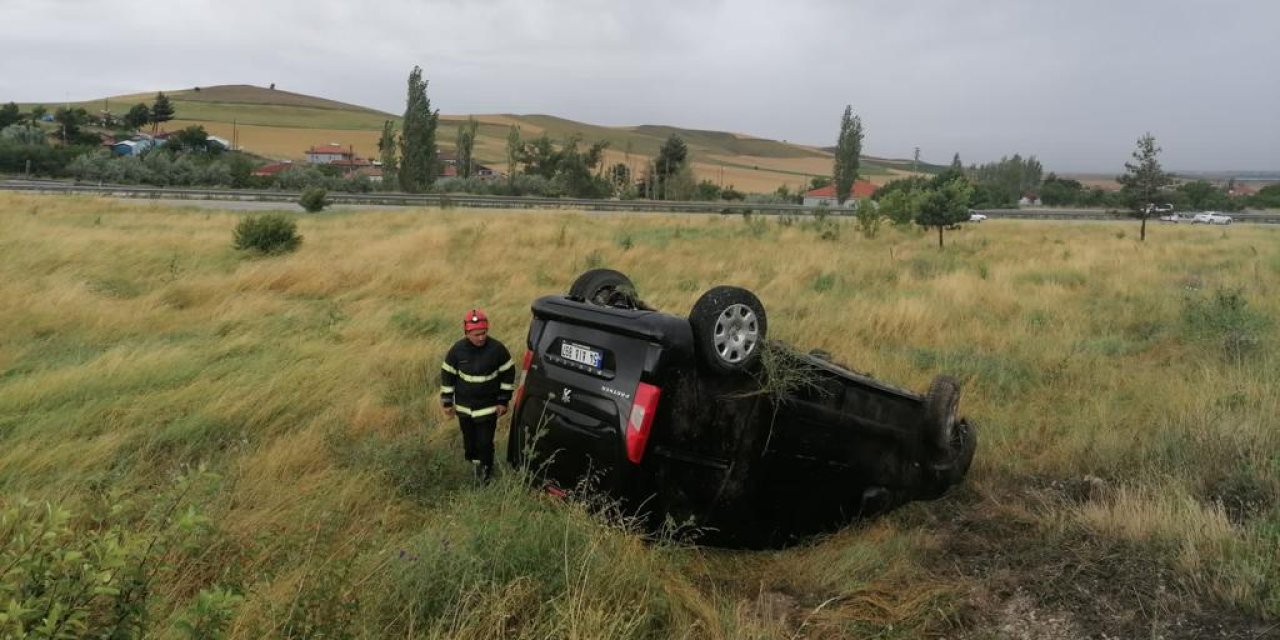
x=70 y=120
x=410 y=159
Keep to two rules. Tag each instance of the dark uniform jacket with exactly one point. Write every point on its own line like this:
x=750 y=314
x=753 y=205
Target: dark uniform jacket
x=475 y=380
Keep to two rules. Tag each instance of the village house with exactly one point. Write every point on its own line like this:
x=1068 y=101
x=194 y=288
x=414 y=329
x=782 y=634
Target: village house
x=138 y=144
x=329 y=153
x=826 y=196
x=273 y=169
x=344 y=159
x=449 y=167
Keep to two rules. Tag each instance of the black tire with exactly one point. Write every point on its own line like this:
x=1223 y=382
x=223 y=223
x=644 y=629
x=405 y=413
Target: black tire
x=940 y=407
x=602 y=286
x=729 y=329
x=951 y=469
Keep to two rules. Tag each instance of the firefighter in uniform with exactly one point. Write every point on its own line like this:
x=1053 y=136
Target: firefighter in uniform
x=476 y=383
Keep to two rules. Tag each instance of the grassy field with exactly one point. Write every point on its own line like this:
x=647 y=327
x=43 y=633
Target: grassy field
x=249 y=445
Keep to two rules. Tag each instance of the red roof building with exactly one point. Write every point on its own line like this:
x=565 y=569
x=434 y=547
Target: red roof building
x=826 y=196
x=273 y=169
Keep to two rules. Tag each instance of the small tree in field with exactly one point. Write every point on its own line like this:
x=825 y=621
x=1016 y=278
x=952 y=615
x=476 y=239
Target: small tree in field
x=1142 y=181
x=945 y=205
x=868 y=217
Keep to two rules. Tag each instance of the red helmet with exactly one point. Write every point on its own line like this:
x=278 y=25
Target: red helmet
x=475 y=319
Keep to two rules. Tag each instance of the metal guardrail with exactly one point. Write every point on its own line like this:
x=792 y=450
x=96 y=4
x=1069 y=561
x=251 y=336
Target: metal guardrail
x=523 y=202
x=404 y=199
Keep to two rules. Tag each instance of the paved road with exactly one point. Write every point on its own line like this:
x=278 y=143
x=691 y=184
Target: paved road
x=272 y=200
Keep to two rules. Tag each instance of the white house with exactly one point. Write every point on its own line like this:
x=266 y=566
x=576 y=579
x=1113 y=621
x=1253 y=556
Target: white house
x=329 y=153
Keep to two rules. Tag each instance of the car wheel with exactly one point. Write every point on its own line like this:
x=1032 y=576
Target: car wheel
x=729 y=329
x=951 y=469
x=602 y=287
x=940 y=406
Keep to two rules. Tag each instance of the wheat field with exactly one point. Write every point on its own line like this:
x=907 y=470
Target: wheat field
x=262 y=430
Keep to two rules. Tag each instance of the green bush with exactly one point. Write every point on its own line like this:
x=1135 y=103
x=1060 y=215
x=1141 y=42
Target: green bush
x=91 y=576
x=269 y=234
x=314 y=200
x=868 y=217
x=1227 y=319
x=60 y=582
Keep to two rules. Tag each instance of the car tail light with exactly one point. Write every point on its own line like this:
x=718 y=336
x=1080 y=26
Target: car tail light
x=642 y=412
x=524 y=372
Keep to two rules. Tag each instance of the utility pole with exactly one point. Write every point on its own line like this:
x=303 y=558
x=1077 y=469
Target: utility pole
x=915 y=162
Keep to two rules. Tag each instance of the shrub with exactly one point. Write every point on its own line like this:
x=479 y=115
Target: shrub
x=314 y=200
x=27 y=134
x=1227 y=319
x=868 y=217
x=63 y=582
x=300 y=178
x=270 y=234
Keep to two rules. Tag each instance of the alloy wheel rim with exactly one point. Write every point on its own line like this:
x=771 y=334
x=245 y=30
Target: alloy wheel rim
x=737 y=332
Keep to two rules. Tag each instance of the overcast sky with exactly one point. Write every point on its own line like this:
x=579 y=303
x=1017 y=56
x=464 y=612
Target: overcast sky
x=1074 y=83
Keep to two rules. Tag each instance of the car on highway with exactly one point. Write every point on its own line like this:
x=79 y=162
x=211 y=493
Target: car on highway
x=1210 y=217
x=974 y=216
x=704 y=422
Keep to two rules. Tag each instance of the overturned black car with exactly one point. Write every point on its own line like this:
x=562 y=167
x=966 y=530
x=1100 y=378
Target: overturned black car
x=702 y=421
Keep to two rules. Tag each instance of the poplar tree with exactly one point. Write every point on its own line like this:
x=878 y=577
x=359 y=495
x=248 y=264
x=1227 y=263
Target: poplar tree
x=514 y=147
x=1142 y=181
x=387 y=151
x=466 y=144
x=848 y=150
x=419 y=165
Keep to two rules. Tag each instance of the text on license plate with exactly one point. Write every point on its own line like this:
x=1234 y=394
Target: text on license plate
x=580 y=354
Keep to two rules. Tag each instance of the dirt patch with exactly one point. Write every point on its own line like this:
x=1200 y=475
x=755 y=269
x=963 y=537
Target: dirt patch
x=1022 y=578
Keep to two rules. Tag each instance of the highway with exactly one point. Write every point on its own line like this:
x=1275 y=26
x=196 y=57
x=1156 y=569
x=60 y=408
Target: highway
x=248 y=199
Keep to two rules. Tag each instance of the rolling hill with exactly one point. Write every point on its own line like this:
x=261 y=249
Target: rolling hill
x=282 y=125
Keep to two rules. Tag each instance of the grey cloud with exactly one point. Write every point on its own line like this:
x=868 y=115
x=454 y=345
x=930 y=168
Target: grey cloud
x=1074 y=83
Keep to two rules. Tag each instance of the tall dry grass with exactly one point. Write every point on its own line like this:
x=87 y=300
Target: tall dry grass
x=138 y=347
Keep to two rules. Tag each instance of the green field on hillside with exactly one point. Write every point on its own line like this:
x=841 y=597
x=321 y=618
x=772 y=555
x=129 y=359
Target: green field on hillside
x=279 y=124
x=199 y=442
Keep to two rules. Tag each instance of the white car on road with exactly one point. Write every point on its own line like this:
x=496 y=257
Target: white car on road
x=1210 y=217
x=974 y=216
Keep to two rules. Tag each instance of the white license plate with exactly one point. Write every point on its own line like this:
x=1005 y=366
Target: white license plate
x=580 y=354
